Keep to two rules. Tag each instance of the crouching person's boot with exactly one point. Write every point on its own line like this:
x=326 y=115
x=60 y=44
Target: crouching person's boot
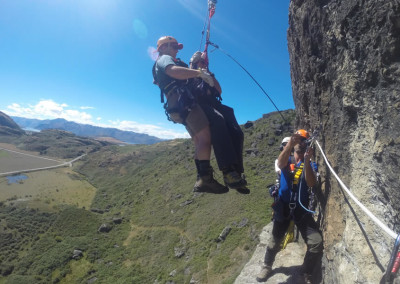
x=205 y=180
x=264 y=273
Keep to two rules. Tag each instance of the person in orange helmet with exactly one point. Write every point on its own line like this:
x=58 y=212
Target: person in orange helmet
x=295 y=181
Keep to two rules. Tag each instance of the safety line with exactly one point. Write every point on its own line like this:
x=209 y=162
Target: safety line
x=372 y=216
x=251 y=76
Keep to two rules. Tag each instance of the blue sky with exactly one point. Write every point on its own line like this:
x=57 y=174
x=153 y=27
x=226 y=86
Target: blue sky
x=90 y=61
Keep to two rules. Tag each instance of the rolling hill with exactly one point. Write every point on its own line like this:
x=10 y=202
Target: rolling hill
x=86 y=130
x=145 y=225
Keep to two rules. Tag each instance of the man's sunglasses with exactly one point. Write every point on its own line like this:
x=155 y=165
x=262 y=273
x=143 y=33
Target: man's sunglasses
x=174 y=46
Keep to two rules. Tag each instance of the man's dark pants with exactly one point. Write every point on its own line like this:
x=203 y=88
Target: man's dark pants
x=309 y=231
x=226 y=136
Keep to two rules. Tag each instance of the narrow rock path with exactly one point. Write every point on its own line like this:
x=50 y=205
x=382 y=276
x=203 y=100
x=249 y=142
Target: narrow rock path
x=287 y=265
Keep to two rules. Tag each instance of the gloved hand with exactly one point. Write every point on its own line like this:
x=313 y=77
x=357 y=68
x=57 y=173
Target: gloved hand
x=206 y=77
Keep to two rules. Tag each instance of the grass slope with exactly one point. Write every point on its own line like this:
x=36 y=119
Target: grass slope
x=158 y=229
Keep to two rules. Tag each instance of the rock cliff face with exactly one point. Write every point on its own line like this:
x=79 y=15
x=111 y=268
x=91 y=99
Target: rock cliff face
x=345 y=68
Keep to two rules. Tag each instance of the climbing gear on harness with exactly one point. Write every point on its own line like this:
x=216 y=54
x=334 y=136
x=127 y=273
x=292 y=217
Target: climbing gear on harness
x=179 y=97
x=173 y=84
x=289 y=236
x=274 y=189
x=183 y=101
x=396 y=264
x=168 y=39
x=394 y=261
x=296 y=173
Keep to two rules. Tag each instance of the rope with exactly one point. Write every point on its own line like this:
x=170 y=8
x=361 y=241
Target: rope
x=211 y=11
x=203 y=31
x=301 y=204
x=372 y=216
x=248 y=73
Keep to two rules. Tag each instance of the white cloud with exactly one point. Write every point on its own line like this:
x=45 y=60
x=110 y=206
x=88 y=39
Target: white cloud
x=86 y=107
x=149 y=129
x=48 y=109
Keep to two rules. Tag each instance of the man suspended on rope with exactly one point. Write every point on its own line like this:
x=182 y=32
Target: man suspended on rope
x=226 y=135
x=171 y=75
x=295 y=181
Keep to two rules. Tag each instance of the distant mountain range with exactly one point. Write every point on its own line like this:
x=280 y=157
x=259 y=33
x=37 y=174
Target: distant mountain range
x=85 y=130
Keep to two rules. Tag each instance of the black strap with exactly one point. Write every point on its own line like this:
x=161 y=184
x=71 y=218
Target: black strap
x=172 y=85
x=155 y=81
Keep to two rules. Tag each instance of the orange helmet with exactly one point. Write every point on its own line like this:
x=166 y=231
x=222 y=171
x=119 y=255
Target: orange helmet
x=167 y=39
x=303 y=133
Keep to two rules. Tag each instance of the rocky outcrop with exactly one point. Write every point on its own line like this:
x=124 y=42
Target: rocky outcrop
x=345 y=69
x=287 y=264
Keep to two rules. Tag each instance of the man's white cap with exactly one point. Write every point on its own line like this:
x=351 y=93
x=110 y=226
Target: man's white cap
x=285 y=140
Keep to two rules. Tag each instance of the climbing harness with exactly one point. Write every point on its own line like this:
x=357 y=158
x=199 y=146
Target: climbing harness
x=289 y=236
x=184 y=101
x=211 y=12
x=296 y=172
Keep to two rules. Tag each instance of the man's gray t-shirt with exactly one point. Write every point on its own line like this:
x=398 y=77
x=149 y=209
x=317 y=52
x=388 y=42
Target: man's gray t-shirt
x=162 y=63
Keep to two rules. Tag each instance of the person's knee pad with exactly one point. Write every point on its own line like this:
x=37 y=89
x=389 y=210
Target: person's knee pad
x=315 y=245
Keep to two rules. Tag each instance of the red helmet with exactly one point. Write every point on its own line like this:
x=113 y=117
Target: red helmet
x=303 y=133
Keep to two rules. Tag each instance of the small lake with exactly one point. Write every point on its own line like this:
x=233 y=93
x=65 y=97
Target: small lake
x=16 y=179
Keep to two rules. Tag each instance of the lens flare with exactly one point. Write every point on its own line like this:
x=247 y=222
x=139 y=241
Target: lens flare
x=139 y=28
